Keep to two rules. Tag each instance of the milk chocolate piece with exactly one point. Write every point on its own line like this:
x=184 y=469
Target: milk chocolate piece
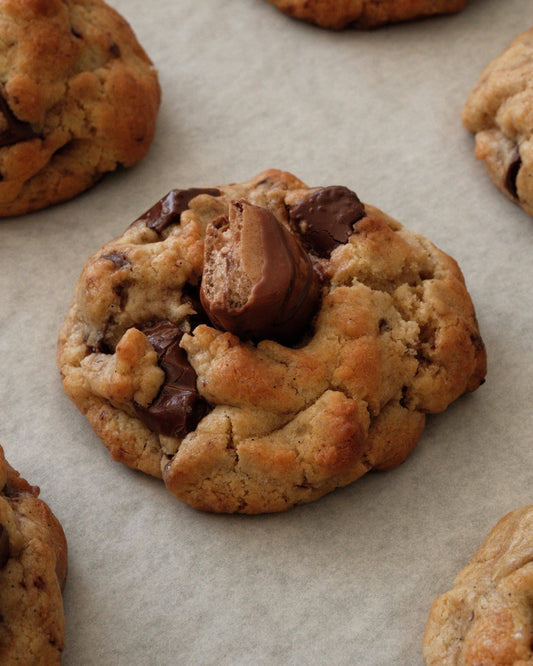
x=168 y=209
x=13 y=130
x=258 y=281
x=178 y=407
x=326 y=218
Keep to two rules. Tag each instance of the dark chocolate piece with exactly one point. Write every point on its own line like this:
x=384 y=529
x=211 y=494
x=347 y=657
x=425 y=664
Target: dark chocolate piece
x=258 y=281
x=512 y=173
x=168 y=209
x=12 y=129
x=4 y=546
x=178 y=407
x=326 y=218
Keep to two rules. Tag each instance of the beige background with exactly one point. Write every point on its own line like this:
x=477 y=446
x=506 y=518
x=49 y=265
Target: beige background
x=349 y=579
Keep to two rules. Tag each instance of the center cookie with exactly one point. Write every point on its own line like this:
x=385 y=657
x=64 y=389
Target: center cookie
x=79 y=97
x=260 y=344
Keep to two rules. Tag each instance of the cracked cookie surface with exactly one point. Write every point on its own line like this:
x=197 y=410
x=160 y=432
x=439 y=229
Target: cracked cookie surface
x=487 y=617
x=498 y=112
x=33 y=570
x=338 y=14
x=243 y=423
x=78 y=98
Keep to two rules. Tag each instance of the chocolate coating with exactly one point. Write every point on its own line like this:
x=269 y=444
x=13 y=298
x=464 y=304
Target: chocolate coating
x=168 y=209
x=4 y=546
x=326 y=218
x=279 y=303
x=178 y=407
x=512 y=173
x=13 y=130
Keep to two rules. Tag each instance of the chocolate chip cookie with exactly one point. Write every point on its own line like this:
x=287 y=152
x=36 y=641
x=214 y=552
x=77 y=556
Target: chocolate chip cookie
x=262 y=343
x=33 y=569
x=498 y=112
x=486 y=618
x=338 y=14
x=78 y=98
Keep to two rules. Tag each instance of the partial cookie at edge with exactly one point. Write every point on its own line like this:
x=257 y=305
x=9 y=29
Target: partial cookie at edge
x=33 y=570
x=487 y=616
x=339 y=14
x=498 y=113
x=79 y=97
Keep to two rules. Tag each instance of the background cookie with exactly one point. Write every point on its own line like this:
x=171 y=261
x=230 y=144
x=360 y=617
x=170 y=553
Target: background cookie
x=486 y=617
x=78 y=98
x=337 y=14
x=498 y=112
x=259 y=419
x=33 y=570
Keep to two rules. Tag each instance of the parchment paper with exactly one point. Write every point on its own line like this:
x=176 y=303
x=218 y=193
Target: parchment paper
x=350 y=578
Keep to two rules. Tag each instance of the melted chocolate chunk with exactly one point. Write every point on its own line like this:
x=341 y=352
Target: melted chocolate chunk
x=512 y=173
x=178 y=407
x=168 y=209
x=326 y=218
x=4 y=546
x=13 y=130
x=162 y=335
x=191 y=294
x=117 y=258
x=258 y=281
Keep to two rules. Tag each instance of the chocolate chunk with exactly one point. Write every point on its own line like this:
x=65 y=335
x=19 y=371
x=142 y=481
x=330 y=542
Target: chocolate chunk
x=191 y=294
x=258 y=282
x=168 y=209
x=12 y=129
x=326 y=218
x=512 y=173
x=178 y=407
x=114 y=49
x=117 y=258
x=4 y=546
x=161 y=336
